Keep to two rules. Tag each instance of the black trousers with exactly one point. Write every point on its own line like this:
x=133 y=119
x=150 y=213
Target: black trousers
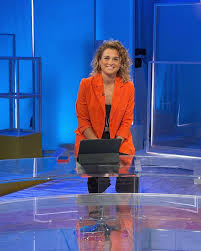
x=123 y=184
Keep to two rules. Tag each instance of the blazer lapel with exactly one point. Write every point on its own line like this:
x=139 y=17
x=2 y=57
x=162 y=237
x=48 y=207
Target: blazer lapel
x=116 y=98
x=99 y=90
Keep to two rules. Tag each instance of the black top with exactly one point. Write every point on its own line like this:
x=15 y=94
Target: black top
x=106 y=132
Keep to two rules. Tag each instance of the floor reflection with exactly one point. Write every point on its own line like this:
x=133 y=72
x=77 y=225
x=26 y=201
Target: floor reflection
x=102 y=222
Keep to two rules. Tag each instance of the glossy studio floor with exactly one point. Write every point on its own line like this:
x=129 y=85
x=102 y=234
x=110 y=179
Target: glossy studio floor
x=60 y=214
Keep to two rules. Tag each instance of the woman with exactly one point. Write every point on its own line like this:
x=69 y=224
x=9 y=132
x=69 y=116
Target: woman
x=105 y=100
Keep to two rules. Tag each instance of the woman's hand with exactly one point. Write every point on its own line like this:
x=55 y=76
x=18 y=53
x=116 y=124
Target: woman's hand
x=119 y=137
x=89 y=133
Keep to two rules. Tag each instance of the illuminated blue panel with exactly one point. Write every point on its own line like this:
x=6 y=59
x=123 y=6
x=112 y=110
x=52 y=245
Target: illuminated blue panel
x=64 y=32
x=115 y=21
x=15 y=40
x=15 y=18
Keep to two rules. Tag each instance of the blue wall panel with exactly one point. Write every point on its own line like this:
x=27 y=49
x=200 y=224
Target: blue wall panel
x=15 y=17
x=115 y=21
x=64 y=32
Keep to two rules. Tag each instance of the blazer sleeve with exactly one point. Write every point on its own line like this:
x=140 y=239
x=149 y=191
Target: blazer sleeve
x=82 y=108
x=127 y=120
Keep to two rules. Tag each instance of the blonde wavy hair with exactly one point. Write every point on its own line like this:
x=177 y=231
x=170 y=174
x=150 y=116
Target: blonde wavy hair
x=125 y=61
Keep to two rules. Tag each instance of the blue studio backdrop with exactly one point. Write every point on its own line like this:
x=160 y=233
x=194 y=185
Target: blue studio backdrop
x=65 y=34
x=64 y=38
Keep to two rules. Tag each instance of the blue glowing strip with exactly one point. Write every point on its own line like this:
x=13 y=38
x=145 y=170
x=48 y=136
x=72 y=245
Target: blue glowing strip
x=32 y=26
x=15 y=87
x=175 y=4
x=153 y=70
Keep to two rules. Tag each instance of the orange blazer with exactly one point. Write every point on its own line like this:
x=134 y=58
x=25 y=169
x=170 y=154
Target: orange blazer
x=90 y=110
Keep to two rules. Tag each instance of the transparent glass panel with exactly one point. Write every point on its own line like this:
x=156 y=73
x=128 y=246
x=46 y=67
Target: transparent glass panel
x=25 y=72
x=26 y=113
x=146 y=174
x=177 y=38
x=24 y=169
x=29 y=114
x=4 y=76
x=175 y=115
x=4 y=114
x=49 y=168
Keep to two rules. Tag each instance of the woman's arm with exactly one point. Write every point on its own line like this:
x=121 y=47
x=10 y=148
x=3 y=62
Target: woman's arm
x=82 y=109
x=84 y=123
x=119 y=137
x=89 y=133
x=127 y=119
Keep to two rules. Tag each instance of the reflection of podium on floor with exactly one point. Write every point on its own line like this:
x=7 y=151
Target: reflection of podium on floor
x=109 y=225
x=101 y=225
x=20 y=104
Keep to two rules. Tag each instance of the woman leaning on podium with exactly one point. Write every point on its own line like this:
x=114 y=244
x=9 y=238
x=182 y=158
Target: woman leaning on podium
x=105 y=102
